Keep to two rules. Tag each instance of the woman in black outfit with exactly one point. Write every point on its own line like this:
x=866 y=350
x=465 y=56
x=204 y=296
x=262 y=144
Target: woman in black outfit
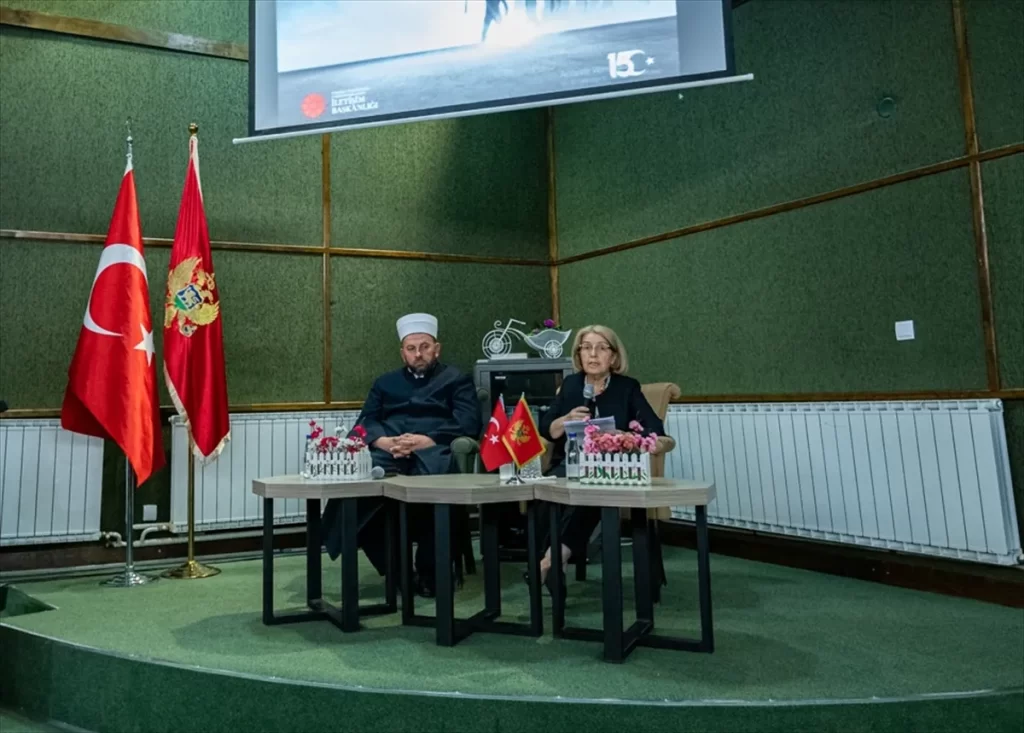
x=600 y=360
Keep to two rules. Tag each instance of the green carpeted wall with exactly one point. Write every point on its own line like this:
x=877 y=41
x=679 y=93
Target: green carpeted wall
x=805 y=301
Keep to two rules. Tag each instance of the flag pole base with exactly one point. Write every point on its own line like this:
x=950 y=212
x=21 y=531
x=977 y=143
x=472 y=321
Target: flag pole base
x=128 y=579
x=192 y=570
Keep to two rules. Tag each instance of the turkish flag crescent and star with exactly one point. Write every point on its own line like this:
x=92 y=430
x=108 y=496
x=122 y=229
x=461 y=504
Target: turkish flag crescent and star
x=521 y=437
x=111 y=392
x=493 y=452
x=193 y=335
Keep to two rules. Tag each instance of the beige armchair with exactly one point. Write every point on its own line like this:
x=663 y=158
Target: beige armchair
x=660 y=396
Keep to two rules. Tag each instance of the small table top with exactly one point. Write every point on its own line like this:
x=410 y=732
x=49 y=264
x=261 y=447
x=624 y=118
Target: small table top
x=296 y=487
x=660 y=493
x=455 y=488
x=477 y=488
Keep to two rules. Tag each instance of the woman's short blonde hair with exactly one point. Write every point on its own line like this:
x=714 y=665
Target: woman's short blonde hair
x=620 y=361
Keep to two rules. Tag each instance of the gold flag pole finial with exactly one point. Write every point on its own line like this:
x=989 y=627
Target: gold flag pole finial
x=193 y=129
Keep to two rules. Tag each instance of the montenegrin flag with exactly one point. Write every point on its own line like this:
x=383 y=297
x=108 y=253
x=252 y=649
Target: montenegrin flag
x=111 y=392
x=521 y=437
x=193 y=336
x=493 y=452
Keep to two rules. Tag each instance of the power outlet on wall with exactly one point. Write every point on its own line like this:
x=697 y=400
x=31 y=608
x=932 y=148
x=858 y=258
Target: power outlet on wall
x=149 y=512
x=904 y=330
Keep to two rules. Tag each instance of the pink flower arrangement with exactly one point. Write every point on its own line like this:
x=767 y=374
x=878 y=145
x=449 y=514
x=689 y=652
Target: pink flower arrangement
x=324 y=443
x=595 y=442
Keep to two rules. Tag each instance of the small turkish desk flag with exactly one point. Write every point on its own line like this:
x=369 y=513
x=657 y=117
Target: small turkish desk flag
x=111 y=390
x=493 y=452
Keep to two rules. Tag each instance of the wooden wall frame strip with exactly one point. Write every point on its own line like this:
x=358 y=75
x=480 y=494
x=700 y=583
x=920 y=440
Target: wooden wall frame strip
x=909 y=395
x=325 y=185
x=393 y=254
x=549 y=133
x=1011 y=395
x=988 y=326
x=787 y=206
x=103 y=31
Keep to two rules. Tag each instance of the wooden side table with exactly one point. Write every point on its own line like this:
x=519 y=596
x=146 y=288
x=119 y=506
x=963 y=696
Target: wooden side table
x=314 y=492
x=444 y=492
x=619 y=643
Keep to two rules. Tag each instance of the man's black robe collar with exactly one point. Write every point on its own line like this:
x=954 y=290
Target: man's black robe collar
x=426 y=376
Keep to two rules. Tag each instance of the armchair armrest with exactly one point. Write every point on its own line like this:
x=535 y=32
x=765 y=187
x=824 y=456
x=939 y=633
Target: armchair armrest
x=666 y=444
x=466 y=451
x=465 y=446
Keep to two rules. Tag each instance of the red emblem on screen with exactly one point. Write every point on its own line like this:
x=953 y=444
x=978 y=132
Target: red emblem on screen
x=313 y=105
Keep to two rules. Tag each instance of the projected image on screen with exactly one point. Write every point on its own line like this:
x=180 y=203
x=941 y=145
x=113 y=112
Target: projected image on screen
x=338 y=62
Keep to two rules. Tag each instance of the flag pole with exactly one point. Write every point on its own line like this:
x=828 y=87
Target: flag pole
x=128 y=578
x=191 y=569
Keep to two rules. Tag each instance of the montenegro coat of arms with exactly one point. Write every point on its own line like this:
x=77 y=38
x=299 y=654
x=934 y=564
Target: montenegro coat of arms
x=191 y=297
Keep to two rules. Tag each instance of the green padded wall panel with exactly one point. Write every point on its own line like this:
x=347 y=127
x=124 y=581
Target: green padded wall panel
x=1003 y=186
x=472 y=185
x=270 y=306
x=43 y=291
x=804 y=301
x=369 y=295
x=995 y=35
x=63 y=103
x=807 y=123
x=223 y=20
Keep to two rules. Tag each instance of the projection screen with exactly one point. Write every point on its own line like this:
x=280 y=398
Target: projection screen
x=322 y=65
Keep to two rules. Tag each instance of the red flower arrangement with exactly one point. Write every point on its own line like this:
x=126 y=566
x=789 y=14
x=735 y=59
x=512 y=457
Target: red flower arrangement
x=324 y=443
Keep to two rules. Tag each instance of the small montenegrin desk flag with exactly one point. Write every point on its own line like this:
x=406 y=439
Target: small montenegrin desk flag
x=521 y=437
x=193 y=336
x=493 y=452
x=111 y=390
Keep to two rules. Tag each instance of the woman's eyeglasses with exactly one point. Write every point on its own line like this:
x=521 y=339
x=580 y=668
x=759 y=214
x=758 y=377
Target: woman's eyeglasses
x=595 y=348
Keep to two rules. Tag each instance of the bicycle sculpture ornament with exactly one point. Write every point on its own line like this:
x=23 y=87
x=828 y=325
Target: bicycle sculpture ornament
x=547 y=341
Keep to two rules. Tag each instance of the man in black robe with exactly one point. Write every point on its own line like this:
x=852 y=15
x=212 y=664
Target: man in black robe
x=411 y=416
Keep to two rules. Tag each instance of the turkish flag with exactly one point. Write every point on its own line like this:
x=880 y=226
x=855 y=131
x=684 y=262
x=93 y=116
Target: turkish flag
x=193 y=333
x=492 y=451
x=111 y=392
x=521 y=437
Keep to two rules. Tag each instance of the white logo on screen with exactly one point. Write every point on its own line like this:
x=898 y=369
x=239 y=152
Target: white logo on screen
x=622 y=66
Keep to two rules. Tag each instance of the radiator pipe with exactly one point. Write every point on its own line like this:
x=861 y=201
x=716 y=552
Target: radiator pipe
x=146 y=531
x=114 y=539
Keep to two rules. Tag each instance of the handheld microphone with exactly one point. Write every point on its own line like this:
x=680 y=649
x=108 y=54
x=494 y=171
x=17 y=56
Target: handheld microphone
x=376 y=473
x=588 y=397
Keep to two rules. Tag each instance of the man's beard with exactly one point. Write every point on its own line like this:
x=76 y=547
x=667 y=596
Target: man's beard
x=422 y=368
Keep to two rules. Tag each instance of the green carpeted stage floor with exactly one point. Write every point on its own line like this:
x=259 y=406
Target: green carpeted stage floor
x=781 y=634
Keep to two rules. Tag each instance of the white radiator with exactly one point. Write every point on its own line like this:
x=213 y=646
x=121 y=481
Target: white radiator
x=926 y=477
x=51 y=483
x=261 y=445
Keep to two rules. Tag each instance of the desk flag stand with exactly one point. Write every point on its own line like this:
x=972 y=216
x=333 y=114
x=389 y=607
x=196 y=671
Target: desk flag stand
x=128 y=578
x=191 y=569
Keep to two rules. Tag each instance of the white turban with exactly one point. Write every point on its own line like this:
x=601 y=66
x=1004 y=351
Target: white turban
x=417 y=323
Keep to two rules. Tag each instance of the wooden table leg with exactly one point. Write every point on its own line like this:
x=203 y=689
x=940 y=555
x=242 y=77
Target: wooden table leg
x=611 y=581
x=445 y=588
